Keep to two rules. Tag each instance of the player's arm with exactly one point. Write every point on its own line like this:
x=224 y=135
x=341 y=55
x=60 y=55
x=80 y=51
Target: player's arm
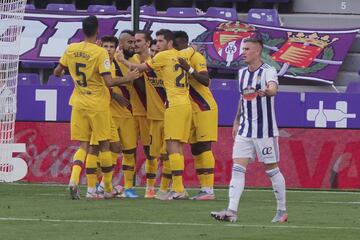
x=140 y=66
x=122 y=101
x=271 y=84
x=236 y=123
x=201 y=77
x=130 y=76
x=60 y=68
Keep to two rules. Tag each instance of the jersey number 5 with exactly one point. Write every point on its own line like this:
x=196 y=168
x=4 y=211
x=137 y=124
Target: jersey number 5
x=82 y=82
x=181 y=76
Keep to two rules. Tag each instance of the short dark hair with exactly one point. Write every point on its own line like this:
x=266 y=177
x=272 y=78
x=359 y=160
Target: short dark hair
x=109 y=38
x=128 y=32
x=147 y=35
x=168 y=34
x=181 y=34
x=254 y=40
x=90 y=26
x=153 y=42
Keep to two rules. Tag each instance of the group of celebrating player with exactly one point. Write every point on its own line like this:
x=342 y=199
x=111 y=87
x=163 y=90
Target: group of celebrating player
x=136 y=88
x=159 y=94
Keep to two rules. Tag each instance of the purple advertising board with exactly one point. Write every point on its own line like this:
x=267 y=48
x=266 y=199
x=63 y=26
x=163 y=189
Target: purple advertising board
x=311 y=54
x=313 y=110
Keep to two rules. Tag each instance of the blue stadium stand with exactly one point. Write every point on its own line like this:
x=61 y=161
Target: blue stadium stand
x=102 y=9
x=269 y=17
x=60 y=81
x=353 y=87
x=145 y=10
x=225 y=13
x=61 y=7
x=30 y=7
x=26 y=79
x=181 y=12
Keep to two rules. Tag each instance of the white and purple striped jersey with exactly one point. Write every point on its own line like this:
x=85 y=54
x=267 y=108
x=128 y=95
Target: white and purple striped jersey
x=257 y=118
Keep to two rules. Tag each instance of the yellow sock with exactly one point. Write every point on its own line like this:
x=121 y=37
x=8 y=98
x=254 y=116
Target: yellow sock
x=177 y=169
x=106 y=168
x=151 y=169
x=208 y=164
x=199 y=169
x=165 y=175
x=78 y=162
x=91 y=169
x=128 y=167
x=114 y=157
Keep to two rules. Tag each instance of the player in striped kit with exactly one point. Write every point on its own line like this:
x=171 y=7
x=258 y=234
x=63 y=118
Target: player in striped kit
x=255 y=131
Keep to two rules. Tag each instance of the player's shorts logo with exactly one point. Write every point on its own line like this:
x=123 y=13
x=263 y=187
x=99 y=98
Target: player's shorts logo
x=266 y=151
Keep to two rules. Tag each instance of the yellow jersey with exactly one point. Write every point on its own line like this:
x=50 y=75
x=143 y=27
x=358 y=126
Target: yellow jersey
x=137 y=98
x=116 y=109
x=167 y=68
x=87 y=62
x=155 y=96
x=201 y=96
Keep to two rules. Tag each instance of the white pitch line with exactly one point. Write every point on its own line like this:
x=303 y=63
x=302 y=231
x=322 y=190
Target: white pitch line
x=9 y=219
x=224 y=199
x=216 y=189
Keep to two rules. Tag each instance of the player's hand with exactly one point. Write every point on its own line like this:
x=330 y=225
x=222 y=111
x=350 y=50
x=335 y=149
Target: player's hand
x=269 y=91
x=120 y=100
x=119 y=55
x=184 y=64
x=98 y=42
x=235 y=129
x=133 y=74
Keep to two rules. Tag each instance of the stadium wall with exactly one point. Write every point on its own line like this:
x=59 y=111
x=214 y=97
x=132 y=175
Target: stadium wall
x=310 y=158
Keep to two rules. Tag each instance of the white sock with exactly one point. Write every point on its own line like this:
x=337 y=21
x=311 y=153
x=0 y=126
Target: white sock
x=91 y=190
x=236 y=186
x=278 y=183
x=208 y=190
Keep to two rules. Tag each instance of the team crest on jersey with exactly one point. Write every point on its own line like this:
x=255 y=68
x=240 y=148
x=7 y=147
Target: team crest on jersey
x=228 y=40
x=107 y=64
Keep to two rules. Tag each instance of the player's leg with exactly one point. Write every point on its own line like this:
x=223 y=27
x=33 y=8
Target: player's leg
x=101 y=133
x=204 y=165
x=204 y=132
x=268 y=153
x=80 y=131
x=151 y=162
x=128 y=139
x=177 y=124
x=92 y=171
x=243 y=153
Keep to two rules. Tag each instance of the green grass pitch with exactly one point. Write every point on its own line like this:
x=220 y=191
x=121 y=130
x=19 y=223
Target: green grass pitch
x=32 y=212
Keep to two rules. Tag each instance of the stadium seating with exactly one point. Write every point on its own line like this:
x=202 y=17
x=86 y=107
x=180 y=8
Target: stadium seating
x=226 y=13
x=274 y=1
x=327 y=6
x=62 y=81
x=25 y=79
x=145 y=10
x=30 y=7
x=181 y=12
x=102 y=9
x=61 y=7
x=268 y=17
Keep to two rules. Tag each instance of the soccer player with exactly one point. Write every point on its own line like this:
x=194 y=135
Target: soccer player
x=155 y=102
x=255 y=131
x=89 y=66
x=153 y=49
x=205 y=118
x=177 y=118
x=140 y=130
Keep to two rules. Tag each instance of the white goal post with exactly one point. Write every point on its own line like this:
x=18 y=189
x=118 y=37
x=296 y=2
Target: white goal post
x=11 y=24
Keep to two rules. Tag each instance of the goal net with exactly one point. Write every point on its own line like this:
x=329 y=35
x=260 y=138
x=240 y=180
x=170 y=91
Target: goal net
x=11 y=23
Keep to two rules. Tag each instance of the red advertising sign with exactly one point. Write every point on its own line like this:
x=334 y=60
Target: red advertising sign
x=310 y=158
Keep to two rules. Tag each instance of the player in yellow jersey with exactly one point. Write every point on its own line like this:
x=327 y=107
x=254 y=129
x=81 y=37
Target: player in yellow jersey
x=205 y=118
x=153 y=49
x=89 y=66
x=155 y=103
x=177 y=118
x=138 y=103
x=120 y=108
